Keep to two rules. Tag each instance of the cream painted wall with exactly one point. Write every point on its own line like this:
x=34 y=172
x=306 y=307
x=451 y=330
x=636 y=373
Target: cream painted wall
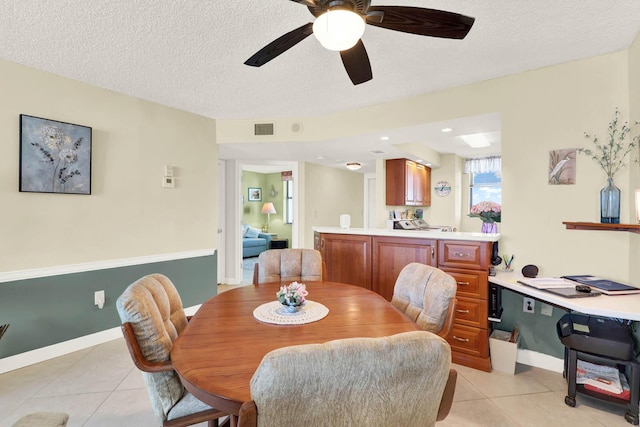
x=330 y=192
x=541 y=110
x=129 y=213
x=634 y=109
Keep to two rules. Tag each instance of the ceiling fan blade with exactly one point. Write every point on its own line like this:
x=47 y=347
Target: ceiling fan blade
x=309 y=3
x=422 y=21
x=356 y=62
x=280 y=45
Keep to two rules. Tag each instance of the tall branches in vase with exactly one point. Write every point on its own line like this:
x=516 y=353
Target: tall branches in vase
x=611 y=157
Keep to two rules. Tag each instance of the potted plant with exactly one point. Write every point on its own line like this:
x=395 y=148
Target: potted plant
x=490 y=213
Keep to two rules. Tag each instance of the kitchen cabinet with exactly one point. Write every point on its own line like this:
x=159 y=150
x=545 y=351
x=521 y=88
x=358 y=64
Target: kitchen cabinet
x=347 y=257
x=468 y=263
x=391 y=254
x=374 y=258
x=407 y=183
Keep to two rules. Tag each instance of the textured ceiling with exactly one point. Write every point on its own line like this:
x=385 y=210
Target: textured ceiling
x=190 y=54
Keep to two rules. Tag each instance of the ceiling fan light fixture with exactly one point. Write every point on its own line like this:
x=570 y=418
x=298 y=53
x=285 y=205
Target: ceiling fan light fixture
x=353 y=166
x=338 y=29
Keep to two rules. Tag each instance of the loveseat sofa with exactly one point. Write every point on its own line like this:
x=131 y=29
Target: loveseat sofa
x=254 y=241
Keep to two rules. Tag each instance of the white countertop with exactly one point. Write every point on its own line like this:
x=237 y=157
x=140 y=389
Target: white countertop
x=617 y=306
x=418 y=234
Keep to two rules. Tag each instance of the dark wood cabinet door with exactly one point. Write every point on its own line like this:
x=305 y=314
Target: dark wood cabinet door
x=408 y=183
x=348 y=258
x=391 y=254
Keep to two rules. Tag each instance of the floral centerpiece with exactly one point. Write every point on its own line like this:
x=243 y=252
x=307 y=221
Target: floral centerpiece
x=292 y=296
x=610 y=156
x=489 y=213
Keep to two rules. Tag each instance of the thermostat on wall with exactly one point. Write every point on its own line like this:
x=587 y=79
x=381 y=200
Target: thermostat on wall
x=168 y=182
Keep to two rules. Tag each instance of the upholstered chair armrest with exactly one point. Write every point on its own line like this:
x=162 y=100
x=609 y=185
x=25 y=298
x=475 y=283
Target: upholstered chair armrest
x=267 y=237
x=447 y=395
x=248 y=415
x=140 y=361
x=448 y=322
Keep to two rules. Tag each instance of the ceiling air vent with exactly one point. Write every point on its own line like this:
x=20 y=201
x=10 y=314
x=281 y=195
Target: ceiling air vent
x=261 y=129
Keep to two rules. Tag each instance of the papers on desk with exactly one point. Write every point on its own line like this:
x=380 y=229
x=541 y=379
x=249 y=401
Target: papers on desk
x=559 y=286
x=547 y=283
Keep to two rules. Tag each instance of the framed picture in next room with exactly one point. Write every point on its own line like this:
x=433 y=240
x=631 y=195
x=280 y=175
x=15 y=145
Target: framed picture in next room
x=55 y=157
x=255 y=194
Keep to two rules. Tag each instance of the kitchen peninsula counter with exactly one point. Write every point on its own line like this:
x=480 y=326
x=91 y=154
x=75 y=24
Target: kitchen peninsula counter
x=373 y=259
x=423 y=234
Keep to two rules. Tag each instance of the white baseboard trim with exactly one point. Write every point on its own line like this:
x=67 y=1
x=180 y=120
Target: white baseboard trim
x=10 y=276
x=38 y=355
x=540 y=360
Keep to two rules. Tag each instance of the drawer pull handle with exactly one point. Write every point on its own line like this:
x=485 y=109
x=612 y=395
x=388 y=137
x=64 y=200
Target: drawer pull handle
x=461 y=339
x=464 y=283
x=459 y=254
x=462 y=311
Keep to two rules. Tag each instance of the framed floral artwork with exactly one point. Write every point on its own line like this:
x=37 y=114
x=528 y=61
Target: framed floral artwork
x=55 y=157
x=255 y=194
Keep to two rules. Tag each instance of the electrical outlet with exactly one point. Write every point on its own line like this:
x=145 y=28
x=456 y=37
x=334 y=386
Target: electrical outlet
x=546 y=309
x=528 y=305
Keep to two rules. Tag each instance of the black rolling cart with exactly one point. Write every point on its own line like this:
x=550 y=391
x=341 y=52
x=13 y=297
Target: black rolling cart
x=602 y=341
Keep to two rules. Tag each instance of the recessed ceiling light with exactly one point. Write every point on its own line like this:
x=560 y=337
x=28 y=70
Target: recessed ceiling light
x=377 y=151
x=476 y=140
x=384 y=138
x=447 y=130
x=320 y=157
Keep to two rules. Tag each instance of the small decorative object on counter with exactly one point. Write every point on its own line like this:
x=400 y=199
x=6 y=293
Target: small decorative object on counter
x=292 y=296
x=611 y=158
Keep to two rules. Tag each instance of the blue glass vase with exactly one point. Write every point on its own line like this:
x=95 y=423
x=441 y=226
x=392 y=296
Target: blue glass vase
x=610 y=203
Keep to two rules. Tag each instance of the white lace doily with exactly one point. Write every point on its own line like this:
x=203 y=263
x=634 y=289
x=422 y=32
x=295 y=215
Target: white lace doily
x=273 y=312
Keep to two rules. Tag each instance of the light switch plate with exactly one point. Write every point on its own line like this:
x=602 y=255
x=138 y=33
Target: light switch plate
x=168 y=170
x=546 y=309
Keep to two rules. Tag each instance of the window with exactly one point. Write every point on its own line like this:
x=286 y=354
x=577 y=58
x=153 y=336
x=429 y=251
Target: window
x=288 y=202
x=485 y=186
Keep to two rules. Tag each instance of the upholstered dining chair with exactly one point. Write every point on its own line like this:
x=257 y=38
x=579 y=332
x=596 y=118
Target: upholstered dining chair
x=152 y=317
x=404 y=379
x=276 y=265
x=428 y=296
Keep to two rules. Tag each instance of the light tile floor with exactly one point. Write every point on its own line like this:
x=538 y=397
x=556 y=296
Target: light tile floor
x=99 y=386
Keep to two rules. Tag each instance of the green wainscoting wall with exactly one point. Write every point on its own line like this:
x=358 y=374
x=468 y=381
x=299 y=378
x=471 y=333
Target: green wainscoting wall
x=537 y=332
x=50 y=310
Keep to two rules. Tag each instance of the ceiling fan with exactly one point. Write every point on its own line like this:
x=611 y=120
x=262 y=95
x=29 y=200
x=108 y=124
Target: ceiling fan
x=330 y=30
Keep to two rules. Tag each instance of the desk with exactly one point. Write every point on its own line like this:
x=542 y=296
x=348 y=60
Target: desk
x=618 y=306
x=220 y=349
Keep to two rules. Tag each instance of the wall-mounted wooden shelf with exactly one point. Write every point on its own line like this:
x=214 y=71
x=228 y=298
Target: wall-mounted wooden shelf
x=633 y=228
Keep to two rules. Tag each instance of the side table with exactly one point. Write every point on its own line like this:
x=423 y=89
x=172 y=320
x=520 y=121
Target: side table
x=279 y=243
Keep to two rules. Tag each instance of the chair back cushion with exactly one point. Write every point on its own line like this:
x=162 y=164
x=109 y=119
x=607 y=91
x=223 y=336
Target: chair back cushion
x=153 y=307
x=396 y=380
x=279 y=265
x=423 y=293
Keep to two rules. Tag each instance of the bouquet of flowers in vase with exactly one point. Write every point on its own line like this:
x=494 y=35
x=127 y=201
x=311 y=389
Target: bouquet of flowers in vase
x=486 y=211
x=292 y=295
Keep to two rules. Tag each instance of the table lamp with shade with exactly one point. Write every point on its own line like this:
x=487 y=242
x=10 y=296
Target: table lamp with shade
x=268 y=209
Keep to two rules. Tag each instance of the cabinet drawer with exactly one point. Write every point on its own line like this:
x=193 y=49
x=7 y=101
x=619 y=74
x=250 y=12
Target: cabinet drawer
x=472 y=284
x=472 y=312
x=464 y=254
x=466 y=339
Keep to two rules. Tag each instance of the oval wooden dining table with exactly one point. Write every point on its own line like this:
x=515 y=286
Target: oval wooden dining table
x=220 y=349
